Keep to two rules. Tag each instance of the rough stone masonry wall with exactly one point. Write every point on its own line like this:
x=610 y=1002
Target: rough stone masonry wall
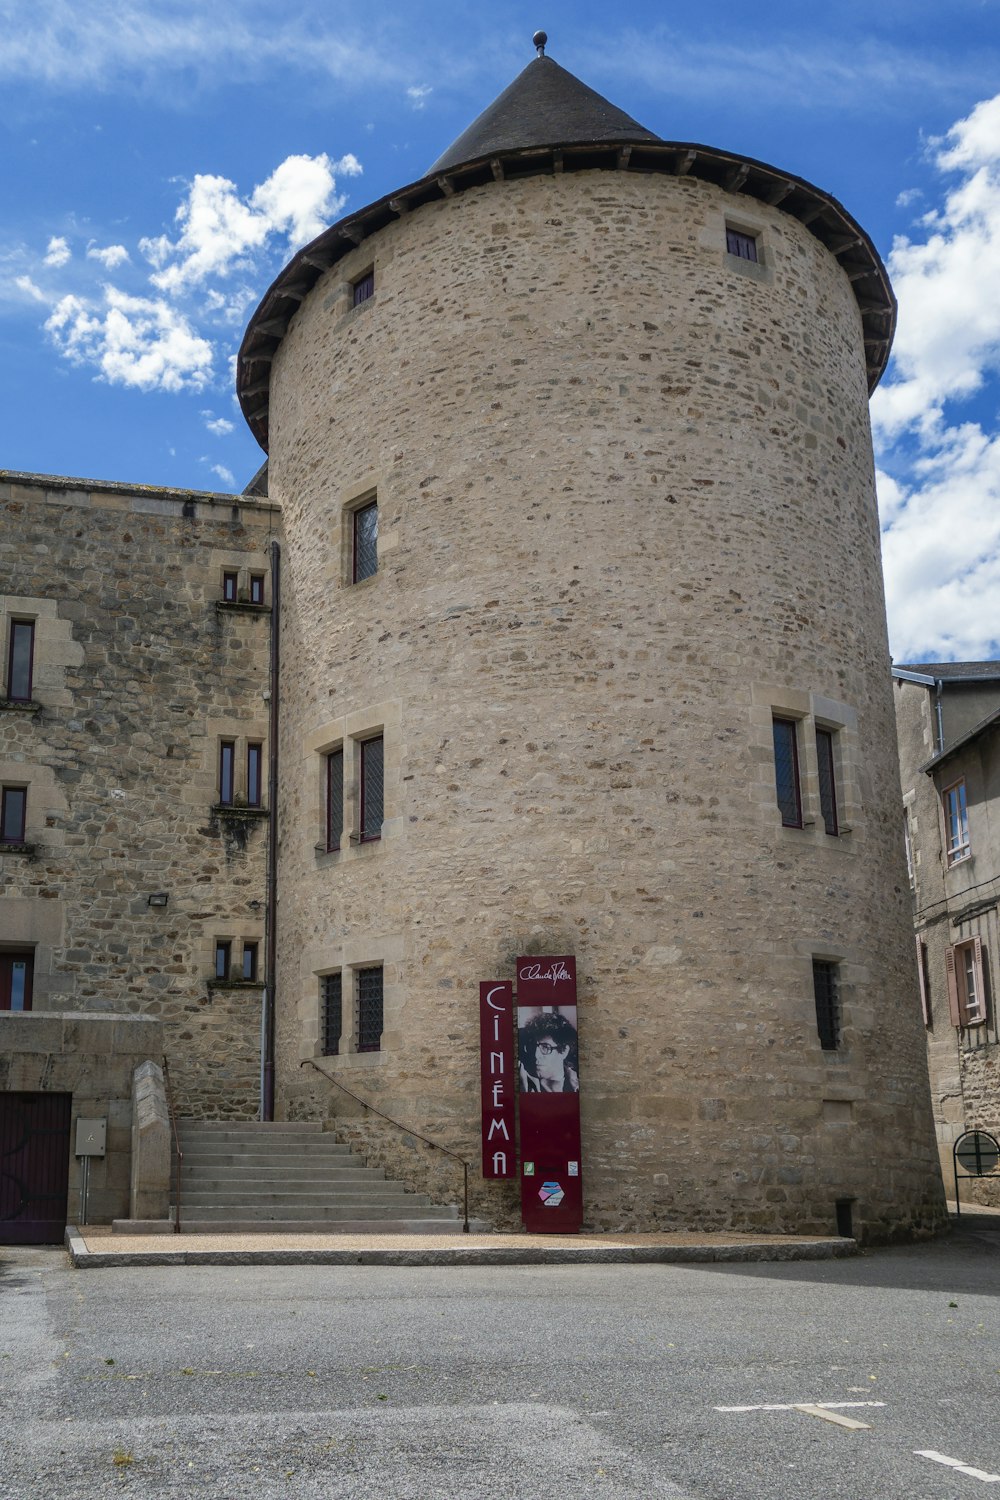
x=138 y=676
x=626 y=512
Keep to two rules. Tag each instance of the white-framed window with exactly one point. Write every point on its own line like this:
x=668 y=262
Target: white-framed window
x=966 y=982
x=956 y=822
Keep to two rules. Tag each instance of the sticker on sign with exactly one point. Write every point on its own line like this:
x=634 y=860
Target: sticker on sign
x=551 y=1194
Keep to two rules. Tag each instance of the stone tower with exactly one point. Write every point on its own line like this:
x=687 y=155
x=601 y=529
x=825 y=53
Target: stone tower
x=613 y=679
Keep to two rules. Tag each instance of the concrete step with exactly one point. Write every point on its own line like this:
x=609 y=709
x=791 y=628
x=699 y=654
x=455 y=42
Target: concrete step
x=236 y=1158
x=320 y=1213
x=266 y=1127
x=267 y=1173
x=342 y=1226
x=391 y=1192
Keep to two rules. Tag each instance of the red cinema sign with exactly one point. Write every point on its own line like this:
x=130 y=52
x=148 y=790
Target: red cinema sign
x=549 y=1094
x=496 y=1042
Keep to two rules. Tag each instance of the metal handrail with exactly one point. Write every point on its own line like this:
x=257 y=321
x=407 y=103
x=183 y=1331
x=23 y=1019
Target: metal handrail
x=437 y=1146
x=177 y=1143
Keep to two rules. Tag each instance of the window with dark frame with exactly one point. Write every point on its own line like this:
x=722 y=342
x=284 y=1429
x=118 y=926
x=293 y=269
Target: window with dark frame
x=334 y=799
x=741 y=244
x=369 y=1003
x=256 y=588
x=223 y=958
x=255 y=763
x=13 y=813
x=786 y=772
x=16 y=972
x=956 y=822
x=364 y=563
x=372 y=790
x=20 y=660
x=966 y=982
x=364 y=287
x=230 y=587
x=826 y=988
x=227 y=772
x=827 y=780
x=250 y=962
x=331 y=994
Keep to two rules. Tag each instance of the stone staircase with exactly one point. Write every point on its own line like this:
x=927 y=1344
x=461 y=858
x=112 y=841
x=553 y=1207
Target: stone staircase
x=293 y=1179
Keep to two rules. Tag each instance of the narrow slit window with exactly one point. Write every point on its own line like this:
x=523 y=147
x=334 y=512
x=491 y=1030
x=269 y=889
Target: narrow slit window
x=365 y=560
x=223 y=958
x=370 y=1015
x=13 y=812
x=334 y=799
x=230 y=587
x=372 y=790
x=20 y=660
x=827 y=780
x=256 y=588
x=250 y=962
x=826 y=988
x=786 y=772
x=741 y=244
x=16 y=972
x=227 y=772
x=364 y=288
x=255 y=762
x=333 y=1014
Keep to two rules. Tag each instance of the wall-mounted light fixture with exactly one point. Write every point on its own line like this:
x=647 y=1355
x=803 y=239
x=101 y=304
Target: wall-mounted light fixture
x=158 y=898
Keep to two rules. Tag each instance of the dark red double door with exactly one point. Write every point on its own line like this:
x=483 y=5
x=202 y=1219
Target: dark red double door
x=34 y=1167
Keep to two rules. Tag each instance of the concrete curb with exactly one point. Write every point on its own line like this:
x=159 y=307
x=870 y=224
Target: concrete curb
x=509 y=1254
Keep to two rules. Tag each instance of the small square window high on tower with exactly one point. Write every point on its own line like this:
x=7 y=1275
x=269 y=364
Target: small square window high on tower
x=741 y=244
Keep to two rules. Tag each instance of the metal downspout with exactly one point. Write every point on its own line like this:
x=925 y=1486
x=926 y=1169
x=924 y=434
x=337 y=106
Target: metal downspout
x=938 y=686
x=271 y=936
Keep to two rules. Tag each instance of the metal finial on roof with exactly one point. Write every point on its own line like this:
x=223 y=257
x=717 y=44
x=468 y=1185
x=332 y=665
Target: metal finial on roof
x=539 y=40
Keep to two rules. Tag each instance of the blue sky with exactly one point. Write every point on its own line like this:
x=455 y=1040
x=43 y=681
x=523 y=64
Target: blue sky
x=160 y=161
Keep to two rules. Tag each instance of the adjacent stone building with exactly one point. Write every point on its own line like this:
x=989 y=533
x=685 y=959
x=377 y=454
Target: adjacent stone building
x=948 y=714
x=580 y=649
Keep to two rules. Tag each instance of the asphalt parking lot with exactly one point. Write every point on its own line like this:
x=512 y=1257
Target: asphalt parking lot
x=329 y=1381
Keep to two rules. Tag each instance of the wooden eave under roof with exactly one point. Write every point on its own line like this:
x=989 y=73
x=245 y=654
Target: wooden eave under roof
x=824 y=217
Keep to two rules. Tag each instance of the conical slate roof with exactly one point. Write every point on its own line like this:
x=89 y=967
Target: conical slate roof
x=544 y=106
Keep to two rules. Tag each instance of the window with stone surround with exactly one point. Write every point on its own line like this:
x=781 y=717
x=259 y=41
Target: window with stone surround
x=250 y=953
x=334 y=765
x=227 y=772
x=332 y=1013
x=786 y=772
x=372 y=789
x=255 y=767
x=368 y=1008
x=826 y=764
x=256 y=588
x=13 y=813
x=956 y=822
x=230 y=586
x=16 y=973
x=223 y=958
x=363 y=289
x=826 y=991
x=364 y=532
x=966 y=982
x=741 y=243
x=20 y=660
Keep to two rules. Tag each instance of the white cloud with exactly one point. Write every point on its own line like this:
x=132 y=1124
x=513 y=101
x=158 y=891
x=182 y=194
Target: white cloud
x=418 y=96
x=132 y=341
x=940 y=486
x=26 y=285
x=110 y=256
x=226 y=475
x=58 y=252
x=218 y=426
x=220 y=230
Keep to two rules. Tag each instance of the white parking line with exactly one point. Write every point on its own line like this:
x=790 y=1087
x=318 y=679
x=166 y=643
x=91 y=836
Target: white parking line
x=956 y=1463
x=815 y=1409
x=800 y=1405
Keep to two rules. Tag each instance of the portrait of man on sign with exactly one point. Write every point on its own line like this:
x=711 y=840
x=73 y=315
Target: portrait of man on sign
x=547 y=1050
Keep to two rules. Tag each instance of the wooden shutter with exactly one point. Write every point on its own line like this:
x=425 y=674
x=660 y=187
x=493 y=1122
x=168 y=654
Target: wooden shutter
x=979 y=1014
x=953 y=1005
x=925 y=1003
